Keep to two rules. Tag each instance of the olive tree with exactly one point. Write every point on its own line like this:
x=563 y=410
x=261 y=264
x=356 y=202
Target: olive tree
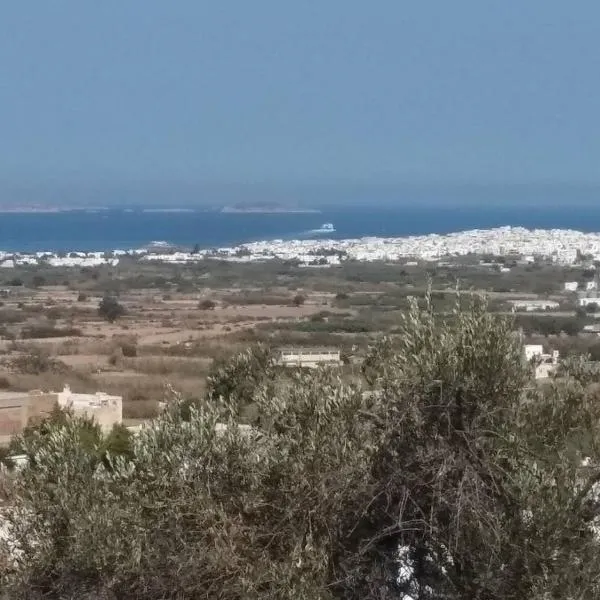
x=110 y=309
x=448 y=474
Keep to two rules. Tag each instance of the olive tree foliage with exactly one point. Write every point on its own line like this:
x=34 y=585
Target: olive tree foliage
x=481 y=490
x=454 y=478
x=198 y=512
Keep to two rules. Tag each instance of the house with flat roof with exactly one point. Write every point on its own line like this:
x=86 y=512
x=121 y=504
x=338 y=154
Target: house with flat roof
x=19 y=409
x=104 y=409
x=534 y=305
x=545 y=364
x=307 y=357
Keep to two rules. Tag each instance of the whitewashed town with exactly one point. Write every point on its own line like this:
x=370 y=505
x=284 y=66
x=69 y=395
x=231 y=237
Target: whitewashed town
x=562 y=246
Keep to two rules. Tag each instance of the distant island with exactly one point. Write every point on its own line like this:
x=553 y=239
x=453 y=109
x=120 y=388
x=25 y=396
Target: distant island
x=267 y=208
x=43 y=209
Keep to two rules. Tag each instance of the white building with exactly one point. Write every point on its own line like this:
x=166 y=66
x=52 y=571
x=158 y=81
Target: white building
x=546 y=364
x=308 y=357
x=534 y=305
x=103 y=409
x=589 y=300
x=533 y=350
x=571 y=286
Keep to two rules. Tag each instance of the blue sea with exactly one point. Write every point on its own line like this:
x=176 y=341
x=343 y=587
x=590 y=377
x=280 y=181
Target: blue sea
x=126 y=229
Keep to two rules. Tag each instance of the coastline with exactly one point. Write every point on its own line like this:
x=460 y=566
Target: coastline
x=560 y=246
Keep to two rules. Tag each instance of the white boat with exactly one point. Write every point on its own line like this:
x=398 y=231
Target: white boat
x=325 y=228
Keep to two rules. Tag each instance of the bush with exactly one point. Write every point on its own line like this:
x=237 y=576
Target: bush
x=439 y=483
x=38 y=281
x=110 y=309
x=48 y=331
x=82 y=297
x=206 y=305
x=119 y=442
x=11 y=317
x=129 y=350
x=298 y=300
x=35 y=361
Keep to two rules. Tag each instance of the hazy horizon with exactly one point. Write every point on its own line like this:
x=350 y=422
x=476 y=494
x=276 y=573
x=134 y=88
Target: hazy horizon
x=148 y=101
x=205 y=195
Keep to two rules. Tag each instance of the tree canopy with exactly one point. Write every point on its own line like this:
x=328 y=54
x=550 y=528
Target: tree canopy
x=110 y=309
x=446 y=474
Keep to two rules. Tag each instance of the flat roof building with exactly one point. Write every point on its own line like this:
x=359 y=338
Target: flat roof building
x=104 y=409
x=307 y=357
x=19 y=409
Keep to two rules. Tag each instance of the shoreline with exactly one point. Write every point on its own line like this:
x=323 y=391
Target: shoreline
x=561 y=246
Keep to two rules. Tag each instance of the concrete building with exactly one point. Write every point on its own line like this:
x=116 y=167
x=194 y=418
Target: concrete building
x=103 y=409
x=532 y=351
x=13 y=415
x=19 y=409
x=534 y=305
x=546 y=364
x=588 y=300
x=308 y=357
x=571 y=286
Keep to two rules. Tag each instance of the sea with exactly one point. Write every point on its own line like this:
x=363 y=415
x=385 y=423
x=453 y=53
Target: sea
x=111 y=229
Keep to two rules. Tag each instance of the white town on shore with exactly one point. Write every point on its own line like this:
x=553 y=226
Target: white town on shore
x=562 y=246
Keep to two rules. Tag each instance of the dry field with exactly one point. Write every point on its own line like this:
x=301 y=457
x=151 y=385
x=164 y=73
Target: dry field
x=163 y=343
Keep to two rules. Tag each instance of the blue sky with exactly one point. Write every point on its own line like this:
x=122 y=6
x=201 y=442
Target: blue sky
x=344 y=91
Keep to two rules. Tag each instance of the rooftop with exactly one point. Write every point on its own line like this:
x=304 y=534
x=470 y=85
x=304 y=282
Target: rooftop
x=312 y=350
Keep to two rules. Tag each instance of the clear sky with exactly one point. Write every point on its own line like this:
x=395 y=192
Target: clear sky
x=303 y=91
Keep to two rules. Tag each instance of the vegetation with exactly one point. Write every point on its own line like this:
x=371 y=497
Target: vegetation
x=88 y=434
x=550 y=324
x=454 y=478
x=110 y=309
x=298 y=300
x=34 y=360
x=207 y=304
x=48 y=331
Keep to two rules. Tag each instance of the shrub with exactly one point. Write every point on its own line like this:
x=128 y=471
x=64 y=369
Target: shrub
x=129 y=350
x=48 y=331
x=110 y=309
x=38 y=281
x=35 y=361
x=453 y=478
x=298 y=300
x=118 y=442
x=206 y=305
x=10 y=317
x=82 y=297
